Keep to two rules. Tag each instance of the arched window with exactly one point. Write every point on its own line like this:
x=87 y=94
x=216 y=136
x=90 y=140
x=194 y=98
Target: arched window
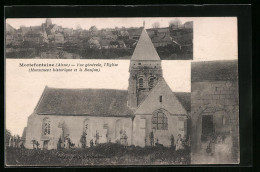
x=151 y=82
x=141 y=83
x=159 y=121
x=46 y=126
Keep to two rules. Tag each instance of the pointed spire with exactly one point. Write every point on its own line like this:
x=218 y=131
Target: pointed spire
x=144 y=49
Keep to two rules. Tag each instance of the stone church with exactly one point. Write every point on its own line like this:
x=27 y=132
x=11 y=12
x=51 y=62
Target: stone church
x=104 y=115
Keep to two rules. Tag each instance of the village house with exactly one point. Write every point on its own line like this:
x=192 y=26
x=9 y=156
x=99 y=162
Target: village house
x=86 y=117
x=124 y=34
x=35 y=36
x=94 y=42
x=10 y=34
x=134 y=33
x=93 y=31
x=105 y=44
x=67 y=31
x=121 y=44
x=214 y=114
x=184 y=34
x=108 y=35
x=58 y=38
x=55 y=29
x=161 y=39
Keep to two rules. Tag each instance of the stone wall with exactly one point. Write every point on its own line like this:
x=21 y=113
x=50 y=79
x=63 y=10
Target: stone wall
x=212 y=98
x=73 y=126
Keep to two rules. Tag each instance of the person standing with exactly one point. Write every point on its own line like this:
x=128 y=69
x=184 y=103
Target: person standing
x=172 y=141
x=152 y=138
x=179 y=143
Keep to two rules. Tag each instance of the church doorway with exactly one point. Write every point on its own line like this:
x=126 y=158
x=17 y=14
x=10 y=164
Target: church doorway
x=45 y=144
x=207 y=127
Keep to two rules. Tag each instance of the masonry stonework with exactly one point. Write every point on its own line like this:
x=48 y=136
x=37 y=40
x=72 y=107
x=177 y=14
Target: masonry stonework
x=217 y=98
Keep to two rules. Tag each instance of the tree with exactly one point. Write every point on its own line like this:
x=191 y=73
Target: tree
x=78 y=27
x=8 y=134
x=156 y=25
x=175 y=23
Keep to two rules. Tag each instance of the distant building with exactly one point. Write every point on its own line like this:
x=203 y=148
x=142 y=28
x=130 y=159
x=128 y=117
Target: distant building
x=188 y=25
x=35 y=35
x=105 y=44
x=121 y=44
x=94 y=42
x=59 y=38
x=161 y=39
x=93 y=31
x=56 y=29
x=134 y=33
x=48 y=22
x=67 y=31
x=10 y=34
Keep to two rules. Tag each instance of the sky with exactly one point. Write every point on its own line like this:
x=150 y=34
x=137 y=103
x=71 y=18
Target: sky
x=214 y=39
x=100 y=23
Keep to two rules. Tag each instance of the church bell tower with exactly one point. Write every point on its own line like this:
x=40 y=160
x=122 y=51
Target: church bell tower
x=145 y=70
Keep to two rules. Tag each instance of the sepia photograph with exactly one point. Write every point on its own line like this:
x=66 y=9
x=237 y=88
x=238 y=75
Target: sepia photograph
x=121 y=91
x=102 y=38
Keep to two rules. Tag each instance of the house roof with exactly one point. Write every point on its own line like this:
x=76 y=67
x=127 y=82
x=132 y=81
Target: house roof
x=144 y=49
x=185 y=99
x=134 y=31
x=226 y=70
x=161 y=38
x=34 y=32
x=98 y=102
x=36 y=28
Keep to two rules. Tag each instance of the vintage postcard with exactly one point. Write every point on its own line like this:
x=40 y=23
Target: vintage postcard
x=121 y=91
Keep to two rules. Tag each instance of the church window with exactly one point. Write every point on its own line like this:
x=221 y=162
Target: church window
x=139 y=63
x=141 y=83
x=159 y=121
x=151 y=82
x=46 y=126
x=160 y=99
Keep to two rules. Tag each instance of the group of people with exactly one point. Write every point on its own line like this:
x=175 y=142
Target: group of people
x=92 y=142
x=212 y=141
x=179 y=145
x=65 y=143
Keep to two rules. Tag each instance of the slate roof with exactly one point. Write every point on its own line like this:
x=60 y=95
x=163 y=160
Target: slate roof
x=134 y=31
x=145 y=49
x=98 y=102
x=222 y=70
x=185 y=99
x=161 y=38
